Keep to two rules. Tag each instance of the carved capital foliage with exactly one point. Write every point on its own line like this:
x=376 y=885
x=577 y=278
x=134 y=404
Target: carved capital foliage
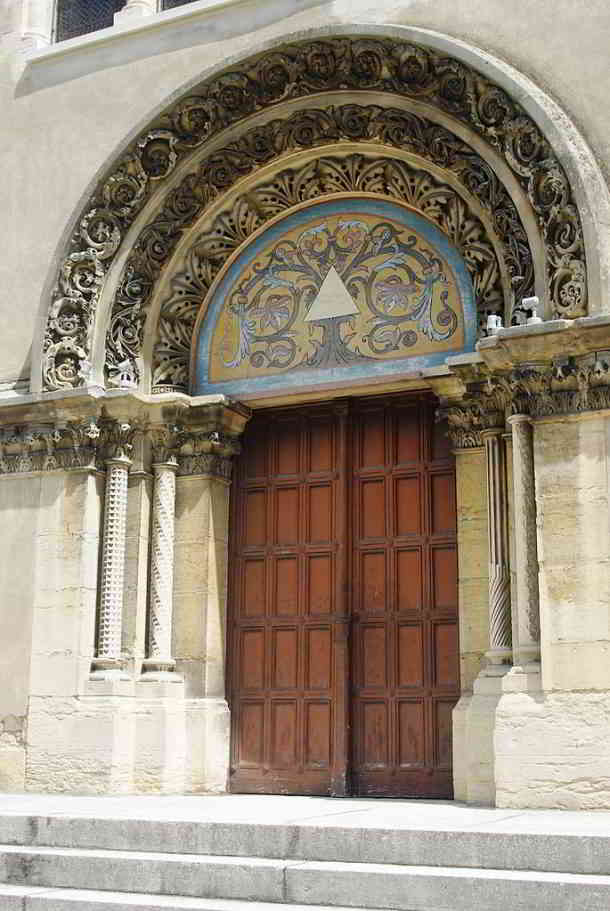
x=117 y=439
x=313 y=67
x=49 y=447
x=570 y=385
x=464 y=425
x=167 y=440
x=208 y=452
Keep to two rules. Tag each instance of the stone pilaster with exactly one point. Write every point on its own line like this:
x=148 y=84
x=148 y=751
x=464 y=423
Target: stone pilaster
x=526 y=624
x=108 y=662
x=500 y=636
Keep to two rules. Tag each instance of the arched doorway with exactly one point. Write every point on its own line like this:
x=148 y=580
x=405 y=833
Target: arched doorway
x=342 y=631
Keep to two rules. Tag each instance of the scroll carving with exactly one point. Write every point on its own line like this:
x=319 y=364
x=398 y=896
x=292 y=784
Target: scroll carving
x=312 y=67
x=324 y=177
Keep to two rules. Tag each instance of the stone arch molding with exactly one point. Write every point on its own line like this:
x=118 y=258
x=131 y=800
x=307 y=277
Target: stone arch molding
x=114 y=233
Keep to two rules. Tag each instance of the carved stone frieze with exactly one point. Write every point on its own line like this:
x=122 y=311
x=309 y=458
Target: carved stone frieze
x=49 y=447
x=326 y=176
x=566 y=386
x=571 y=385
x=312 y=67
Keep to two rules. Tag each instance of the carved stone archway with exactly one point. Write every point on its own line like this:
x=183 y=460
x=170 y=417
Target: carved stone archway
x=168 y=155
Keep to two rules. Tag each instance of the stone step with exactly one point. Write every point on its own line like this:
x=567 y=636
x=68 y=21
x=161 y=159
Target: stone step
x=334 y=884
x=501 y=847
x=38 y=898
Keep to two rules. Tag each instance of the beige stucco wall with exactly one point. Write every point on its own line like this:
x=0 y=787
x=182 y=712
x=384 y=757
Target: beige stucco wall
x=65 y=116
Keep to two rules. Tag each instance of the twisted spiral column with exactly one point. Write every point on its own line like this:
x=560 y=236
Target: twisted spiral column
x=500 y=622
x=162 y=569
x=527 y=625
x=108 y=657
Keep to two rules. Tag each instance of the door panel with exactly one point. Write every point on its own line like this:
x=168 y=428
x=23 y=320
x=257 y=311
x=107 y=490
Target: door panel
x=282 y=648
x=343 y=651
x=404 y=634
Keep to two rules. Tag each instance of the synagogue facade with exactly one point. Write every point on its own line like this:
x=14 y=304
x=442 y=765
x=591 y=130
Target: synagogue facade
x=305 y=400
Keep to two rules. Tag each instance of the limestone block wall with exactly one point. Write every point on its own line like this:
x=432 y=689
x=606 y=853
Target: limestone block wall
x=19 y=502
x=552 y=746
x=200 y=594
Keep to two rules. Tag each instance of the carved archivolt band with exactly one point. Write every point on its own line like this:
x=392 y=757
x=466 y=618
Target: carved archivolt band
x=313 y=67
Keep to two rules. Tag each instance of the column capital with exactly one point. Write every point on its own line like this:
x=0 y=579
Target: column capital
x=117 y=439
x=519 y=419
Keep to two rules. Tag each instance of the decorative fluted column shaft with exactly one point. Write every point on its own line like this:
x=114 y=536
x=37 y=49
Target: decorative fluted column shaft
x=527 y=622
x=500 y=621
x=113 y=565
x=162 y=568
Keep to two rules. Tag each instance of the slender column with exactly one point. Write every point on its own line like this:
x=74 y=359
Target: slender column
x=527 y=625
x=500 y=634
x=113 y=566
x=108 y=662
x=160 y=659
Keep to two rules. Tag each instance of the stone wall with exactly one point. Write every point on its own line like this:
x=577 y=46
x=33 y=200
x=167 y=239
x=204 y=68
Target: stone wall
x=551 y=747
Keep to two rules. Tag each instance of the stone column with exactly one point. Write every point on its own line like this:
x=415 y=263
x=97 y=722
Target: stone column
x=500 y=621
x=160 y=662
x=526 y=624
x=108 y=662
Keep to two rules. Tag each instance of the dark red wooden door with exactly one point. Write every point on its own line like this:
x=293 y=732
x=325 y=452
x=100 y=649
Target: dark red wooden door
x=288 y=626
x=404 y=602
x=343 y=653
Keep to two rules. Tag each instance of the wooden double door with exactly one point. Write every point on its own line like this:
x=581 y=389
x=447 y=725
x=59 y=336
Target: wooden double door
x=343 y=639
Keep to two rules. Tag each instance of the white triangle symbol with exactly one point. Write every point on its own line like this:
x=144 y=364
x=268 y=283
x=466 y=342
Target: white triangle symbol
x=333 y=299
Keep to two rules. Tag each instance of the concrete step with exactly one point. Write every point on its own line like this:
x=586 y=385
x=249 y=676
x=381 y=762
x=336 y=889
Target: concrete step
x=333 y=884
x=36 y=898
x=503 y=846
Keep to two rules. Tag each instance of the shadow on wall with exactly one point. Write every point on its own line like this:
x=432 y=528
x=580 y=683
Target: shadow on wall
x=85 y=55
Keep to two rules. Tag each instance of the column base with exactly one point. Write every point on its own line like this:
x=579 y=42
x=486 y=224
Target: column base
x=500 y=657
x=108 y=669
x=160 y=670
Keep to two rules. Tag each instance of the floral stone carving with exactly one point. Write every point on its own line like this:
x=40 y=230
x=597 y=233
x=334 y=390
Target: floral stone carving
x=386 y=65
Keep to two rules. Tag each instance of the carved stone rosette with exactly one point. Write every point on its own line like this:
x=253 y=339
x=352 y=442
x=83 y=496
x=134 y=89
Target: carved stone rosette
x=118 y=437
x=500 y=621
x=527 y=622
